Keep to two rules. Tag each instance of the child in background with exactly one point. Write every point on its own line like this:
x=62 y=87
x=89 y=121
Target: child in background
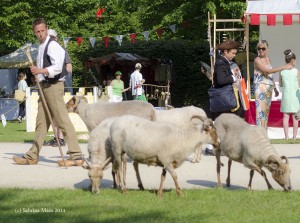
x=289 y=80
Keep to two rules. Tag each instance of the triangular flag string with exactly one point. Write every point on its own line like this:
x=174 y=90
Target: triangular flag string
x=92 y=41
x=119 y=38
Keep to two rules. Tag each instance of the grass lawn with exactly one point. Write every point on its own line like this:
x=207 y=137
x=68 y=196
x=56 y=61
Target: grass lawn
x=208 y=205
x=111 y=206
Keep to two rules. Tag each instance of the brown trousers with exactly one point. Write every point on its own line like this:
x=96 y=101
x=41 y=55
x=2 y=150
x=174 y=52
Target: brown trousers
x=54 y=97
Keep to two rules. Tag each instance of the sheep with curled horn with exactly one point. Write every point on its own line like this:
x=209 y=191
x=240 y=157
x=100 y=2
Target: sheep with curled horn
x=168 y=147
x=250 y=146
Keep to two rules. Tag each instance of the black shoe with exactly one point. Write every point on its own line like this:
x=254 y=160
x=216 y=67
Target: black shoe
x=208 y=152
x=61 y=142
x=50 y=142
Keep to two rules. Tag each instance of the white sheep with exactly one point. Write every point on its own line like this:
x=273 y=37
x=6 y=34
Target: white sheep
x=182 y=117
x=99 y=149
x=94 y=114
x=158 y=144
x=251 y=146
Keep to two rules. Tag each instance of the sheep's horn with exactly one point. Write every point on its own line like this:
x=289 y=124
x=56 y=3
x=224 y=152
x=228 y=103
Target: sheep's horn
x=106 y=162
x=87 y=162
x=198 y=117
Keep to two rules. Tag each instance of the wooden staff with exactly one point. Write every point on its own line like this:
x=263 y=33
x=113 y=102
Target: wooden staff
x=26 y=50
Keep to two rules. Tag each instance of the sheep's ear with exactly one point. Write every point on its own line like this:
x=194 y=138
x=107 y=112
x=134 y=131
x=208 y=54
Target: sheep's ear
x=272 y=163
x=285 y=158
x=76 y=100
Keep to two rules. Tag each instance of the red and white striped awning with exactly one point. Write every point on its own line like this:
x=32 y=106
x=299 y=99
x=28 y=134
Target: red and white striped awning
x=271 y=11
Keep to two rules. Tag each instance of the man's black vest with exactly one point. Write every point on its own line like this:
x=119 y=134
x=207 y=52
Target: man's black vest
x=47 y=63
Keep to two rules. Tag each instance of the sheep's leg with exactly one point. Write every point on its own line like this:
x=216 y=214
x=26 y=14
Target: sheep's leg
x=197 y=155
x=228 y=173
x=162 y=180
x=138 y=177
x=258 y=169
x=115 y=184
x=174 y=176
x=250 y=180
x=124 y=160
x=218 y=157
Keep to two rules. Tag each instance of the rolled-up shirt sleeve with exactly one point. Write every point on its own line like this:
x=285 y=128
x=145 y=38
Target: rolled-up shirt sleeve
x=57 y=58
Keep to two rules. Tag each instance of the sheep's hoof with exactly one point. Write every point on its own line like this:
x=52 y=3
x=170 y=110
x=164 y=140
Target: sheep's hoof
x=159 y=194
x=180 y=193
x=141 y=186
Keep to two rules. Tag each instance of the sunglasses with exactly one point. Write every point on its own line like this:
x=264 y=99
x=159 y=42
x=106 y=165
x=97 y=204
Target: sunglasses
x=263 y=48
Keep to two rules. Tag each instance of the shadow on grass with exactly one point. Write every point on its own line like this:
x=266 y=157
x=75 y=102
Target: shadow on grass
x=212 y=184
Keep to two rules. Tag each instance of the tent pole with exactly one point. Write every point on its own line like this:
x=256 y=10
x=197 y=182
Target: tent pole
x=247 y=56
x=210 y=47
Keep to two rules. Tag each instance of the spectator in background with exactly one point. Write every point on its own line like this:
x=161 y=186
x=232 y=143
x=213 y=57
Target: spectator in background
x=136 y=83
x=118 y=87
x=53 y=142
x=264 y=83
x=22 y=85
x=68 y=63
x=289 y=80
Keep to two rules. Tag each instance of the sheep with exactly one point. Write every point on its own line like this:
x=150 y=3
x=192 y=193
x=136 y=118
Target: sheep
x=99 y=149
x=93 y=114
x=168 y=146
x=182 y=117
x=250 y=145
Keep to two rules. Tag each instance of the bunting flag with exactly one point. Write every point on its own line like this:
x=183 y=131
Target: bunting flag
x=105 y=40
x=146 y=35
x=255 y=19
x=79 y=40
x=119 y=38
x=92 y=41
x=132 y=37
x=99 y=13
x=185 y=24
x=66 y=41
x=288 y=19
x=173 y=28
x=271 y=20
x=160 y=32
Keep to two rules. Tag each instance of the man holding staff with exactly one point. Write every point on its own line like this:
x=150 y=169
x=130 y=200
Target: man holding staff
x=50 y=70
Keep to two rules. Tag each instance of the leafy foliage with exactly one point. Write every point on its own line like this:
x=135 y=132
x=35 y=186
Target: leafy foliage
x=72 y=18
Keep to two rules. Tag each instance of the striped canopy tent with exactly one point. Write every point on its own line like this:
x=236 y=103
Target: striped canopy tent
x=279 y=24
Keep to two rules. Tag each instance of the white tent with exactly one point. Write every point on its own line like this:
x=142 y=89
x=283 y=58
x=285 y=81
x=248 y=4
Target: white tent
x=278 y=22
x=18 y=59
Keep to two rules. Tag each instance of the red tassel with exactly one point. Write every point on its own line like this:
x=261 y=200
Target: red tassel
x=79 y=40
x=132 y=37
x=99 y=13
x=105 y=40
x=288 y=19
x=255 y=19
x=271 y=20
x=160 y=32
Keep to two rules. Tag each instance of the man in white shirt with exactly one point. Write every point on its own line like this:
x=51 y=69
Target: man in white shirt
x=50 y=65
x=136 y=82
